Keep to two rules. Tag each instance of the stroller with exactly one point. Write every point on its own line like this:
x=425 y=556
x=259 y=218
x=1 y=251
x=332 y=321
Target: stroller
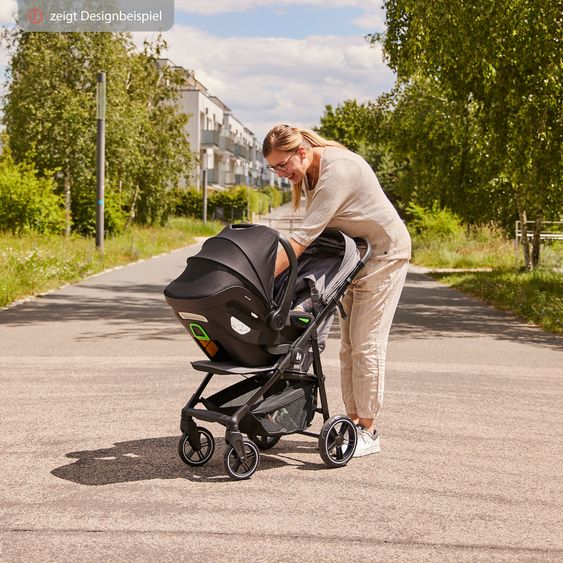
x=268 y=331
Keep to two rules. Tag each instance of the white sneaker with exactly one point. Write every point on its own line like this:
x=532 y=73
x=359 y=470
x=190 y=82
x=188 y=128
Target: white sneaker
x=368 y=443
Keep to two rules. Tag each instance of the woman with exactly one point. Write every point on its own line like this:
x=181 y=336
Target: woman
x=342 y=191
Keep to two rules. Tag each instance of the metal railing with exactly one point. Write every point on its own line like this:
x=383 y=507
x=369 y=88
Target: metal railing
x=210 y=137
x=283 y=224
x=550 y=234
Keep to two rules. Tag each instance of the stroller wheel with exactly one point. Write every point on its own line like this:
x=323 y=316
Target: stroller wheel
x=264 y=442
x=200 y=456
x=337 y=441
x=235 y=467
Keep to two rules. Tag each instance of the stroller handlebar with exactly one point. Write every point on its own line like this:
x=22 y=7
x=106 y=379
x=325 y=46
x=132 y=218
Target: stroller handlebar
x=367 y=251
x=277 y=318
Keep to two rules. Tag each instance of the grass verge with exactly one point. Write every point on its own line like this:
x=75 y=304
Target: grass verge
x=32 y=264
x=536 y=297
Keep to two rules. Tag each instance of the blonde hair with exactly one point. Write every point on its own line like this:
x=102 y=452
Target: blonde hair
x=285 y=138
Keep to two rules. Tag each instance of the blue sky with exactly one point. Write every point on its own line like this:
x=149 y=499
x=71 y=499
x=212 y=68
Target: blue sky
x=275 y=62
x=277 y=21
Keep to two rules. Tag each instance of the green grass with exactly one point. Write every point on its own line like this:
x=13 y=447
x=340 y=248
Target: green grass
x=482 y=247
x=477 y=248
x=536 y=297
x=32 y=264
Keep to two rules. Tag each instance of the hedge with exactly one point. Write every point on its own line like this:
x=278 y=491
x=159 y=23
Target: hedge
x=235 y=204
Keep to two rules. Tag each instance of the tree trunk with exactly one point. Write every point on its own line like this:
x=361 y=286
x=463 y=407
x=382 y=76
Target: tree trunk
x=525 y=241
x=68 y=213
x=538 y=224
x=132 y=210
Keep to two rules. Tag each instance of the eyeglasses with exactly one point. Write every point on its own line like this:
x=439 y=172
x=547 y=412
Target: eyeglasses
x=282 y=165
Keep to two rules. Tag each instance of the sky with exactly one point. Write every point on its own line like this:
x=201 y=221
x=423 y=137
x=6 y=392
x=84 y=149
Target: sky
x=273 y=61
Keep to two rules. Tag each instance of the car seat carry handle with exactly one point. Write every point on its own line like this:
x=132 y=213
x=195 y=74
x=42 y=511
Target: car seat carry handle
x=278 y=318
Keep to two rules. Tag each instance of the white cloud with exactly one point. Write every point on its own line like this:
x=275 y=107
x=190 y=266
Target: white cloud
x=266 y=80
x=374 y=19
x=222 y=6
x=8 y=9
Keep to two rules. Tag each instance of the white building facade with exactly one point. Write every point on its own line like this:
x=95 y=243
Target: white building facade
x=229 y=153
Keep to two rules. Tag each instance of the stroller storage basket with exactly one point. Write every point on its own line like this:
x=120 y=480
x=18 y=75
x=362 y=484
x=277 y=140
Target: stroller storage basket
x=288 y=407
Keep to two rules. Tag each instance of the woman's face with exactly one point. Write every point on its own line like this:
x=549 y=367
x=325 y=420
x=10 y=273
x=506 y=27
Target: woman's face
x=290 y=165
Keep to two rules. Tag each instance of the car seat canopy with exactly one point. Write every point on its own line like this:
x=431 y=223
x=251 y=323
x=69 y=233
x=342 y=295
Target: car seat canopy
x=230 y=259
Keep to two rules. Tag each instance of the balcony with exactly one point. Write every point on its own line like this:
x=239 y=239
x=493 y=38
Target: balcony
x=242 y=151
x=227 y=144
x=210 y=137
x=212 y=176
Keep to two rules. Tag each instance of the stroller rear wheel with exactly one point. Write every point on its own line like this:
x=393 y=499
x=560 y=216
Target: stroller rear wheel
x=235 y=467
x=196 y=456
x=264 y=442
x=337 y=441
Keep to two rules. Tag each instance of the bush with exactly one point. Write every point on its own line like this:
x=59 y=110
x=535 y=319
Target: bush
x=28 y=203
x=275 y=196
x=234 y=204
x=433 y=222
x=186 y=202
x=259 y=202
x=439 y=240
x=84 y=213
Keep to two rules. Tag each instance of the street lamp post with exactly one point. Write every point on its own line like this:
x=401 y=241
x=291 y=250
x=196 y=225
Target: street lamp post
x=204 y=182
x=100 y=158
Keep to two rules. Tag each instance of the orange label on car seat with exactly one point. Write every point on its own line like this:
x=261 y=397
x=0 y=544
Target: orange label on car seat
x=211 y=348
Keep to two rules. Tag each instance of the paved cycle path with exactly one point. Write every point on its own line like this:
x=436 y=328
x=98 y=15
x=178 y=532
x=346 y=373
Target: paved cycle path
x=93 y=378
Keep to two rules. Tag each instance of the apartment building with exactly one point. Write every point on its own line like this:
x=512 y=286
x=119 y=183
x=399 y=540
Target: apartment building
x=228 y=151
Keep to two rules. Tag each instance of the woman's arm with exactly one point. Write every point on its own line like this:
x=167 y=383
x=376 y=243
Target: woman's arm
x=282 y=261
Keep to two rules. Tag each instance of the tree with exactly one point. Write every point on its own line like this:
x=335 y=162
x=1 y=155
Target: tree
x=50 y=118
x=360 y=128
x=438 y=152
x=165 y=154
x=502 y=57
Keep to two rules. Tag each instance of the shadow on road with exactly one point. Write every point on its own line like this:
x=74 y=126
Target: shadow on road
x=157 y=458
x=427 y=310
x=141 y=304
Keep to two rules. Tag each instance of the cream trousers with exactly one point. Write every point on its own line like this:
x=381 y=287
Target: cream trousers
x=370 y=302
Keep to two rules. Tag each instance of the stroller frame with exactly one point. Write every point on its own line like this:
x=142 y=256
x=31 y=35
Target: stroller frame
x=338 y=436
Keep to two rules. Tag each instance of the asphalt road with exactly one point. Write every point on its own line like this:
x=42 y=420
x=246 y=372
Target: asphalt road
x=93 y=378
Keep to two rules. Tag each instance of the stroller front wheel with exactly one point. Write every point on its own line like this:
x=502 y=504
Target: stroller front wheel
x=337 y=441
x=198 y=455
x=236 y=467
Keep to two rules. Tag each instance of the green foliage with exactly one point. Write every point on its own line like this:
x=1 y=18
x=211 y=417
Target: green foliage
x=275 y=196
x=348 y=123
x=28 y=203
x=230 y=205
x=359 y=128
x=258 y=201
x=433 y=223
x=494 y=70
x=439 y=240
x=115 y=215
x=186 y=202
x=234 y=204
x=50 y=117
